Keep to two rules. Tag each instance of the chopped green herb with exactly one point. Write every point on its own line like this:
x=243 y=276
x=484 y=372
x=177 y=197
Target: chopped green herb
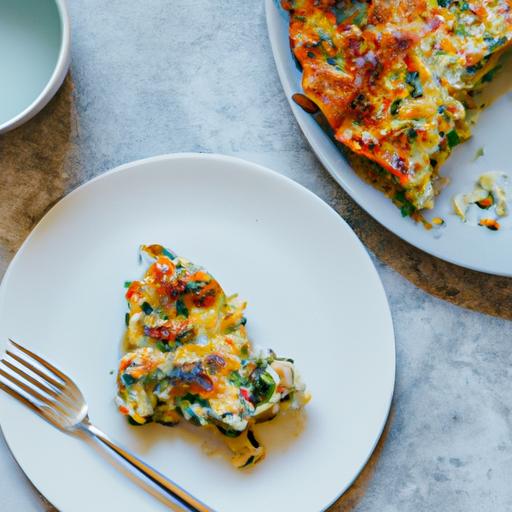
x=394 y=107
x=195 y=286
x=406 y=207
x=464 y=6
x=356 y=11
x=236 y=379
x=127 y=284
x=453 y=138
x=412 y=134
x=169 y=254
x=336 y=62
x=194 y=399
x=128 y=379
x=263 y=385
x=163 y=347
x=146 y=307
x=444 y=3
x=111 y=372
x=127 y=319
x=461 y=30
x=311 y=55
x=413 y=79
x=181 y=309
x=478 y=154
x=495 y=42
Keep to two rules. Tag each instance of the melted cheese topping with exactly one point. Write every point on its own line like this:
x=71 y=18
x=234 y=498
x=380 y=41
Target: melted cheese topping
x=188 y=356
x=392 y=77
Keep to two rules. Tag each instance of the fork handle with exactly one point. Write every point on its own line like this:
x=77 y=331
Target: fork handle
x=177 y=494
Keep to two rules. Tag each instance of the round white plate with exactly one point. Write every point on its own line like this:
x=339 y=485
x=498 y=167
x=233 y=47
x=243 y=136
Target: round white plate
x=467 y=245
x=313 y=295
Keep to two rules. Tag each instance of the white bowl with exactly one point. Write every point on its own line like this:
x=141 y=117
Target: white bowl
x=34 y=56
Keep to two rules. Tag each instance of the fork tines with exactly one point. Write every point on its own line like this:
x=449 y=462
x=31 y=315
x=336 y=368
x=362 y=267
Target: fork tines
x=38 y=384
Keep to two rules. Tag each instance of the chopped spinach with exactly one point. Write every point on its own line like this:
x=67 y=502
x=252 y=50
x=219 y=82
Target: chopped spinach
x=163 y=347
x=461 y=30
x=453 y=138
x=127 y=379
x=169 y=254
x=194 y=399
x=181 y=309
x=495 y=42
x=394 y=107
x=195 y=286
x=146 y=307
x=263 y=386
x=412 y=135
x=413 y=79
x=236 y=379
x=406 y=207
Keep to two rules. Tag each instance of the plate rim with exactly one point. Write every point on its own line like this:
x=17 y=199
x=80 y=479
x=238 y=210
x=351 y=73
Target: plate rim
x=262 y=169
x=270 y=5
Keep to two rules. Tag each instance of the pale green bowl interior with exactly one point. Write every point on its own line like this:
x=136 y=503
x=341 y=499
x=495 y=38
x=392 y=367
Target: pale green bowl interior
x=30 y=40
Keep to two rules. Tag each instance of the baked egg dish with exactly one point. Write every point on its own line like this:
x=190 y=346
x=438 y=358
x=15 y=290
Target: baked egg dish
x=188 y=357
x=395 y=81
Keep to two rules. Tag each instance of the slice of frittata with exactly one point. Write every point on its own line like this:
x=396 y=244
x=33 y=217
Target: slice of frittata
x=189 y=357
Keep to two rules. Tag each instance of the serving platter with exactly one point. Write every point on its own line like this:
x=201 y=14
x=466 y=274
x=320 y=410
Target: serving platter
x=313 y=294
x=464 y=244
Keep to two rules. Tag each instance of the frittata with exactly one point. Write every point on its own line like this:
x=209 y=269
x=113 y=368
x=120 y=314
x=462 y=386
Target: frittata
x=189 y=357
x=394 y=79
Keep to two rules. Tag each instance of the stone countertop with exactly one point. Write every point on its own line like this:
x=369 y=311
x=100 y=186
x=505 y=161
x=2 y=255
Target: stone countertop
x=160 y=77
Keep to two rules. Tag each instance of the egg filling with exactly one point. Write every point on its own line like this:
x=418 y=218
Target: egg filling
x=188 y=357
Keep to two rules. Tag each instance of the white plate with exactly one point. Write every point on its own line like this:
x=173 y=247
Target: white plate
x=469 y=246
x=313 y=295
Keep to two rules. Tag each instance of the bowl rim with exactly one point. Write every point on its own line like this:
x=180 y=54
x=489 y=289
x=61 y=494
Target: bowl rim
x=57 y=77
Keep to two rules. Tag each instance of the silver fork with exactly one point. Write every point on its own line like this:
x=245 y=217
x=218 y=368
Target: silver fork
x=56 y=398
